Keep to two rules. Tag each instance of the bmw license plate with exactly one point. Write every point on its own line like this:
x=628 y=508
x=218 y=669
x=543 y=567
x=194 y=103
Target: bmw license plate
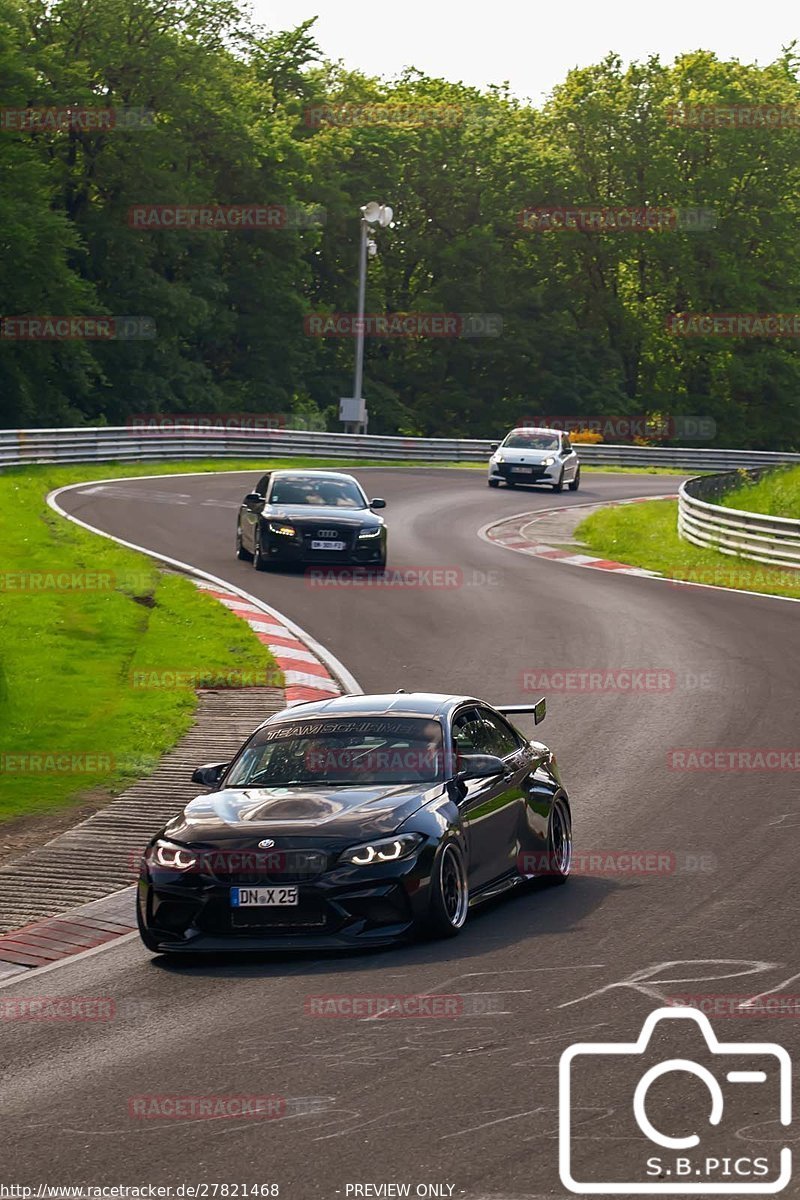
x=327 y=545
x=262 y=897
x=522 y=470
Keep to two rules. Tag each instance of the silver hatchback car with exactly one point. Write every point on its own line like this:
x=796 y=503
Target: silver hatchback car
x=535 y=456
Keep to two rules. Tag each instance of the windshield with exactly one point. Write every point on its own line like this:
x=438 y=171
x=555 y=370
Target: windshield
x=362 y=750
x=531 y=441
x=306 y=489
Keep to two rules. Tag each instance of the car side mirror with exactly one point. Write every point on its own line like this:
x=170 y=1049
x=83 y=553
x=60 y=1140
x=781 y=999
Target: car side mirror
x=254 y=501
x=480 y=766
x=377 y=503
x=494 y=446
x=210 y=774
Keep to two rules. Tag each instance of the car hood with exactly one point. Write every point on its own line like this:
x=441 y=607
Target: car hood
x=306 y=514
x=240 y=816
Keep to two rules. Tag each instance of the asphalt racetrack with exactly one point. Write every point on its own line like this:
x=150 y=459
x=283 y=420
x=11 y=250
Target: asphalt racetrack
x=469 y=1101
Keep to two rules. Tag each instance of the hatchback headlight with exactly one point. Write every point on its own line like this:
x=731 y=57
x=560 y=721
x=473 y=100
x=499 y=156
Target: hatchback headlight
x=548 y=462
x=285 y=530
x=498 y=458
x=383 y=851
x=170 y=856
x=370 y=533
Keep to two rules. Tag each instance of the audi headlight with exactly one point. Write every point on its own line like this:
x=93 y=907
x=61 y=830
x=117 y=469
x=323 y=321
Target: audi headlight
x=370 y=533
x=285 y=530
x=548 y=462
x=170 y=856
x=383 y=851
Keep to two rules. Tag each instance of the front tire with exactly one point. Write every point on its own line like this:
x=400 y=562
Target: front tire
x=259 y=562
x=576 y=483
x=559 y=487
x=449 y=902
x=494 y=482
x=241 y=553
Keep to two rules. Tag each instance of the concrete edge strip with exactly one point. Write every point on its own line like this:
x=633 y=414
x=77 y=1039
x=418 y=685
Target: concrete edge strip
x=73 y=934
x=508 y=534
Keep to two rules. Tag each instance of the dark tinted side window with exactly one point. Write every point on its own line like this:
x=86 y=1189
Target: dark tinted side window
x=501 y=739
x=470 y=734
x=262 y=485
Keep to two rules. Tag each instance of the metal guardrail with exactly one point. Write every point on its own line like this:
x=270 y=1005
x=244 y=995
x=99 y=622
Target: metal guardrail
x=756 y=536
x=124 y=443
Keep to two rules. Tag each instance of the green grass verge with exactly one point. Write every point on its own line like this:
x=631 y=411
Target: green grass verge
x=646 y=535
x=75 y=648
x=776 y=494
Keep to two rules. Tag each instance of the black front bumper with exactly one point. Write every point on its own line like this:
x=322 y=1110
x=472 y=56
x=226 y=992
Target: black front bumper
x=279 y=548
x=348 y=908
x=532 y=475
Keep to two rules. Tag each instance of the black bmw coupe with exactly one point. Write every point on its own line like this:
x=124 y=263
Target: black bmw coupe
x=357 y=821
x=308 y=517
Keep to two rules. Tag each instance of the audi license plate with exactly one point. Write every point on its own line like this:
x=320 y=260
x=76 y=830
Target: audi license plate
x=522 y=470
x=327 y=545
x=262 y=897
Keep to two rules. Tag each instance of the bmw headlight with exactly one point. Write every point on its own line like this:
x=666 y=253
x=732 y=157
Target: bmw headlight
x=170 y=856
x=548 y=462
x=383 y=851
x=285 y=530
x=369 y=533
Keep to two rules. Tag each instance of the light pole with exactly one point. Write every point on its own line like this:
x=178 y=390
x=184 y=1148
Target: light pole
x=352 y=410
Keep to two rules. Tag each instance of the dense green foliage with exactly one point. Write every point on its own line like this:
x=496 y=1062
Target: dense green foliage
x=583 y=312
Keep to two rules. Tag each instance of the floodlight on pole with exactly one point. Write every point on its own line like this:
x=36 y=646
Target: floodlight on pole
x=353 y=412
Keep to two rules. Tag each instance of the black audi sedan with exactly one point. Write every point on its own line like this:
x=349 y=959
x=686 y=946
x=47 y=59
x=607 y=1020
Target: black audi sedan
x=357 y=821
x=310 y=517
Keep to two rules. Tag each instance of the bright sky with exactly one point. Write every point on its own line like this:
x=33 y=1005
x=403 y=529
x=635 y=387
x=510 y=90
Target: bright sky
x=531 y=43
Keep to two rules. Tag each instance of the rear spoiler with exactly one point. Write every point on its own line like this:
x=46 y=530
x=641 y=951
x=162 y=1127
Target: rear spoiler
x=539 y=710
